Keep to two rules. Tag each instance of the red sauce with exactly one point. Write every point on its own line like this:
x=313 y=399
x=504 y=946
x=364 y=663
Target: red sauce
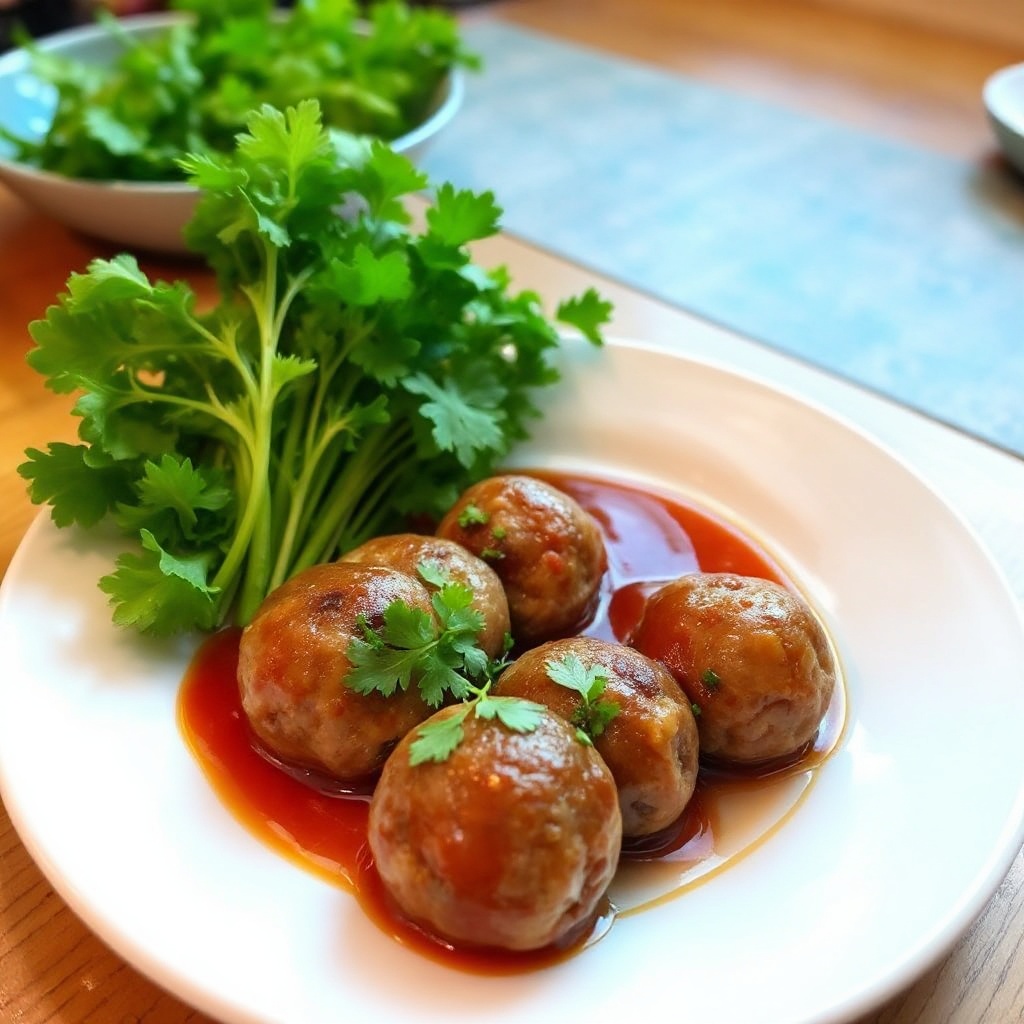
x=650 y=538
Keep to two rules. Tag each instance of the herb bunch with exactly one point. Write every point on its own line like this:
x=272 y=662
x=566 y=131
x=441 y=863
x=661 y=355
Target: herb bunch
x=191 y=87
x=354 y=370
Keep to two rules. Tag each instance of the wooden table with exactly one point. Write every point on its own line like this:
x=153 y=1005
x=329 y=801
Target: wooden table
x=52 y=969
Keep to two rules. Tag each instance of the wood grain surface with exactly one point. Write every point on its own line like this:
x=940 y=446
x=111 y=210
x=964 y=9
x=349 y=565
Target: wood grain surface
x=888 y=77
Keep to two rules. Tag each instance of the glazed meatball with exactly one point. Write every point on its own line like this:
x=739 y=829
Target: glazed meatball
x=650 y=745
x=407 y=551
x=546 y=549
x=510 y=843
x=292 y=663
x=750 y=654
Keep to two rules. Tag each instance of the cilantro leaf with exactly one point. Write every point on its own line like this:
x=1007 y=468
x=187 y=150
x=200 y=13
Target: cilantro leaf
x=406 y=627
x=593 y=715
x=77 y=491
x=458 y=217
x=515 y=713
x=459 y=426
x=382 y=670
x=430 y=572
x=571 y=673
x=436 y=652
x=587 y=312
x=439 y=737
x=155 y=592
x=436 y=740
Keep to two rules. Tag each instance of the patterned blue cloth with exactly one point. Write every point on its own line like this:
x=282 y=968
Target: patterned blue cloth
x=897 y=268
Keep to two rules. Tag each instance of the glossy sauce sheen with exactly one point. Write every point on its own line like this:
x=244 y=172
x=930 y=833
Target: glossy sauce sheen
x=650 y=539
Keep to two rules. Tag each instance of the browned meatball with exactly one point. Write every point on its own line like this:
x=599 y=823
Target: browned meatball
x=292 y=663
x=407 y=551
x=651 y=744
x=510 y=843
x=750 y=654
x=547 y=550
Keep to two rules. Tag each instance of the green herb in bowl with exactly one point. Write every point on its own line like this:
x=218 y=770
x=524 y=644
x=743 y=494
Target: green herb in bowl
x=185 y=82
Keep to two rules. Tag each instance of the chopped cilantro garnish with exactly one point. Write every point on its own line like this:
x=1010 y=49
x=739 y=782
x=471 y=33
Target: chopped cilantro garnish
x=472 y=515
x=710 y=678
x=436 y=740
x=591 y=718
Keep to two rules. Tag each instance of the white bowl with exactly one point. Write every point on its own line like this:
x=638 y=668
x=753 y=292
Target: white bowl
x=1004 y=101
x=139 y=215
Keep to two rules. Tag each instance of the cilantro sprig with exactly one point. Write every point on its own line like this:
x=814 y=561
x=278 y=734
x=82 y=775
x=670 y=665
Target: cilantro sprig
x=439 y=655
x=591 y=718
x=190 y=88
x=436 y=740
x=438 y=652
x=353 y=372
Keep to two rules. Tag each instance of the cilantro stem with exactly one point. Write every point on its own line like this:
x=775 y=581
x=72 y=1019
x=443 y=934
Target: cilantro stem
x=335 y=510
x=251 y=543
x=365 y=520
x=300 y=497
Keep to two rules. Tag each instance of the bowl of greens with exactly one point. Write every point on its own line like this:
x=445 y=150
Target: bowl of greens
x=94 y=120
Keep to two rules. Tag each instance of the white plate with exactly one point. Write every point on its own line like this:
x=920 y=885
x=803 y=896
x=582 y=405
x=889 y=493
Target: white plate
x=910 y=828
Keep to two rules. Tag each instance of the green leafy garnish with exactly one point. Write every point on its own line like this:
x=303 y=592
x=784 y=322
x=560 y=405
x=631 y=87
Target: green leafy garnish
x=438 y=652
x=710 y=678
x=436 y=740
x=591 y=718
x=354 y=372
x=471 y=515
x=190 y=88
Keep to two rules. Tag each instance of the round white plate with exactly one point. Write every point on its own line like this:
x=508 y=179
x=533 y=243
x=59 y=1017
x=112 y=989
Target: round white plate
x=911 y=826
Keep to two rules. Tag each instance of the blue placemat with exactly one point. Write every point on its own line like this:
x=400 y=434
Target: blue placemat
x=898 y=268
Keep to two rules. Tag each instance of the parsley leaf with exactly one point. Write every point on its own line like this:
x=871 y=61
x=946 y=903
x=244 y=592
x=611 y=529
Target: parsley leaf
x=591 y=718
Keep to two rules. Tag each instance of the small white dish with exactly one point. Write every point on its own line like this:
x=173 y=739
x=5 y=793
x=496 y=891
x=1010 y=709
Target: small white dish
x=910 y=827
x=1004 y=100
x=138 y=215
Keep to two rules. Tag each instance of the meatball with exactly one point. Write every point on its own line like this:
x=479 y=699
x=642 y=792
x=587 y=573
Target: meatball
x=407 y=551
x=510 y=843
x=750 y=654
x=651 y=744
x=292 y=663
x=546 y=549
